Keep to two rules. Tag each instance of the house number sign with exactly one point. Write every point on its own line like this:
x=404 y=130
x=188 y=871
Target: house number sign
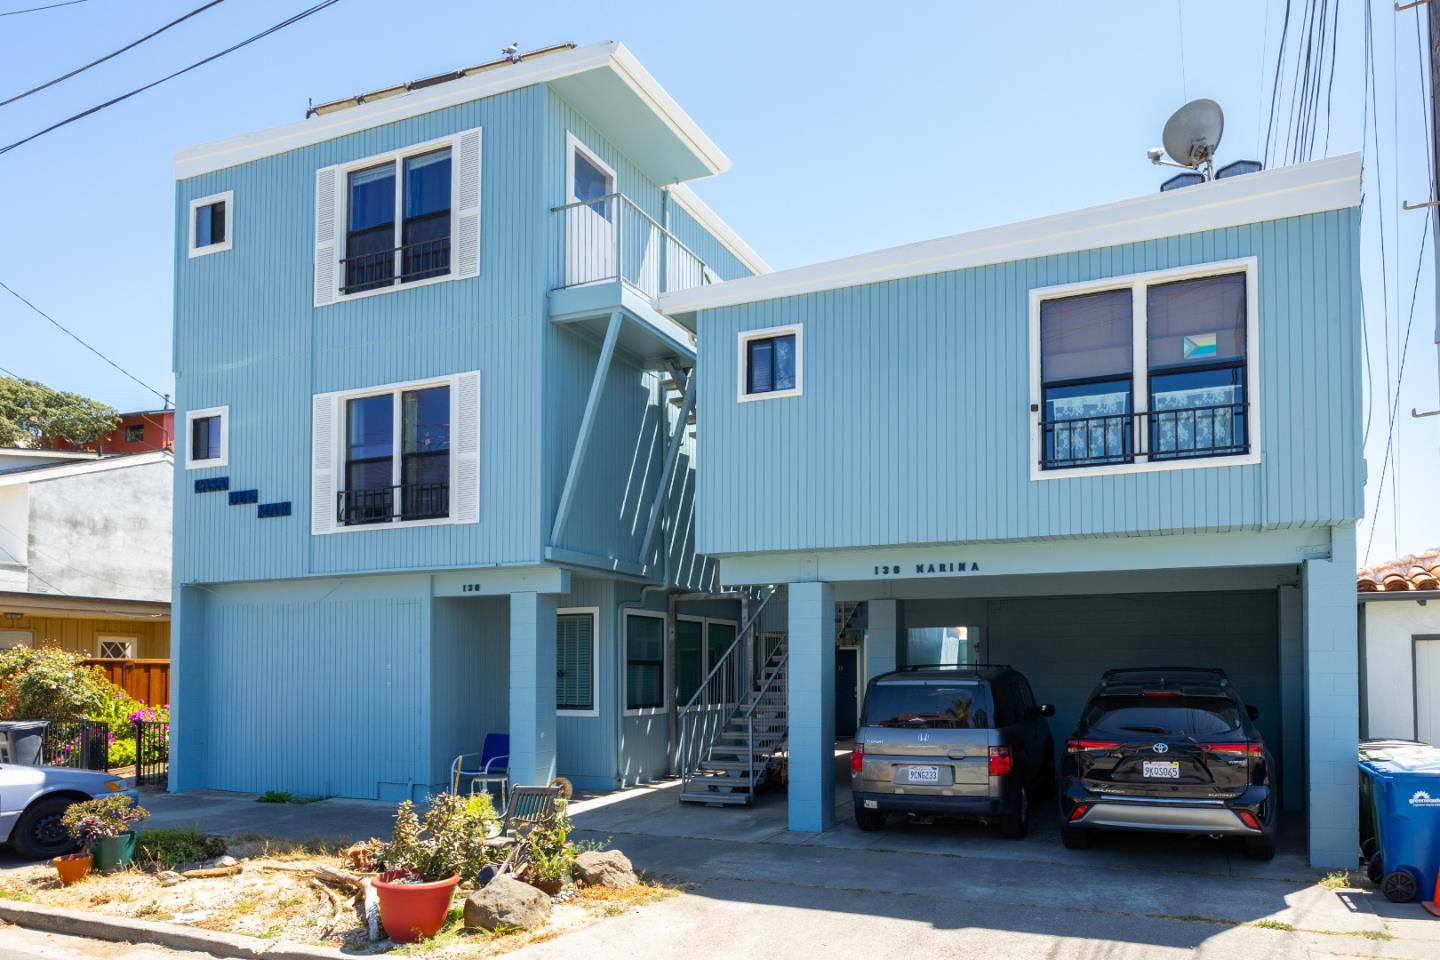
x=924 y=569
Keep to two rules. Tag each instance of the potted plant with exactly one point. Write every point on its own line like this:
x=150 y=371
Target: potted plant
x=424 y=862
x=102 y=827
x=551 y=857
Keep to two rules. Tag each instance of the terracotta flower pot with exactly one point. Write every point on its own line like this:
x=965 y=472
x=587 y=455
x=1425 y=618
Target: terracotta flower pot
x=72 y=867
x=413 y=911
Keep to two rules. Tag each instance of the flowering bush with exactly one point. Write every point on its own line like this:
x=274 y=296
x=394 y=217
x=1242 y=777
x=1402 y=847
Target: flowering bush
x=43 y=683
x=94 y=820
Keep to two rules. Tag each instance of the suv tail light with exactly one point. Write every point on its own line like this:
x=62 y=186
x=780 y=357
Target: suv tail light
x=857 y=758
x=1249 y=819
x=1081 y=746
x=1080 y=810
x=1001 y=762
x=1253 y=750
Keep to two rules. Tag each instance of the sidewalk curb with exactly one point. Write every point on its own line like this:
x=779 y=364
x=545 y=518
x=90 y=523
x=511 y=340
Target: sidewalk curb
x=173 y=935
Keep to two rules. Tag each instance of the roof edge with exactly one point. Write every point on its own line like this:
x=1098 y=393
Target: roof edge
x=41 y=472
x=206 y=158
x=1314 y=187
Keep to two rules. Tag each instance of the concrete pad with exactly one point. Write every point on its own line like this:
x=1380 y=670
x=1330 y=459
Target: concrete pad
x=239 y=814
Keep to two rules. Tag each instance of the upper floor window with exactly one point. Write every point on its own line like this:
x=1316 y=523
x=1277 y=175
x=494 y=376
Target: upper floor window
x=210 y=225
x=402 y=453
x=135 y=433
x=1189 y=332
x=770 y=363
x=207 y=435
x=400 y=218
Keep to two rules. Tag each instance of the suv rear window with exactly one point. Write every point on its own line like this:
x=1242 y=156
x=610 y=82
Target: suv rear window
x=1184 y=715
x=929 y=704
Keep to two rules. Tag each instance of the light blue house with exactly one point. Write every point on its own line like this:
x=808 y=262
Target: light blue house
x=438 y=465
x=1122 y=436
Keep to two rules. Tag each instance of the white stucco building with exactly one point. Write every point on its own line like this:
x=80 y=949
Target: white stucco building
x=1399 y=608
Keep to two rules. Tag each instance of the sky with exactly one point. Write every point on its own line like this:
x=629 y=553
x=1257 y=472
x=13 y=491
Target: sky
x=852 y=127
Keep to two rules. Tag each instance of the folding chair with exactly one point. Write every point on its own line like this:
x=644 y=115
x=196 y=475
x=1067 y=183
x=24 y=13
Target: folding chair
x=489 y=766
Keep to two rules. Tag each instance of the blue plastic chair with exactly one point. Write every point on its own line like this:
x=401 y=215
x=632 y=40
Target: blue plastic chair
x=490 y=766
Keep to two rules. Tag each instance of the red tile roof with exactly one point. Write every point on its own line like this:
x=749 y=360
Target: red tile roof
x=1416 y=571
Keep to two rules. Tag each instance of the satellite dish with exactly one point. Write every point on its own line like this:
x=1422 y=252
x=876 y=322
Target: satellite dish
x=1193 y=132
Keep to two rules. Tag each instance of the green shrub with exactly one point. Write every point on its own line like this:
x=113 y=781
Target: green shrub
x=450 y=841
x=164 y=849
x=94 y=820
x=122 y=752
x=43 y=683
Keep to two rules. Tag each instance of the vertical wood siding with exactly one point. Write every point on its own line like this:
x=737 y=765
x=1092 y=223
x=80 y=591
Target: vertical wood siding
x=469 y=678
x=914 y=423
x=78 y=635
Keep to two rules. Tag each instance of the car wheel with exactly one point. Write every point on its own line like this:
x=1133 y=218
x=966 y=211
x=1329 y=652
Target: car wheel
x=1075 y=838
x=869 y=820
x=1259 y=848
x=1016 y=823
x=39 y=834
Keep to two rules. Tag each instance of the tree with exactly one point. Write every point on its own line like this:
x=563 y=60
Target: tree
x=33 y=415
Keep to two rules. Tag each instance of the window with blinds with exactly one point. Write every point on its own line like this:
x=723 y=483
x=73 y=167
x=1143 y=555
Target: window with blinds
x=575 y=662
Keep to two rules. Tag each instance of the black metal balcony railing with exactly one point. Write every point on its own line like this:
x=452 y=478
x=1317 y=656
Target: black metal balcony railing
x=610 y=238
x=411 y=501
x=411 y=262
x=1183 y=433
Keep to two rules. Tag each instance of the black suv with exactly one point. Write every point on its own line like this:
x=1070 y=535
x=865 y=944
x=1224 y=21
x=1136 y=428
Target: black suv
x=1168 y=749
x=966 y=741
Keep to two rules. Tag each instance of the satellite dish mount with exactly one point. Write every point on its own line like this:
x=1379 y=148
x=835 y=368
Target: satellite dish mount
x=1191 y=137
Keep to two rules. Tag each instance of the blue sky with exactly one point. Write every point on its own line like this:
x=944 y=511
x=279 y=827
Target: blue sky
x=852 y=127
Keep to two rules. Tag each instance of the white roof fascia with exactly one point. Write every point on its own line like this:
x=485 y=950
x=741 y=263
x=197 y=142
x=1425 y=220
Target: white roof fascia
x=207 y=158
x=722 y=231
x=1315 y=187
x=87 y=466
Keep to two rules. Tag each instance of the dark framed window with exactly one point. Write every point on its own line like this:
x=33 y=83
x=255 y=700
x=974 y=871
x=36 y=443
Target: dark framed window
x=388 y=481
x=644 y=662
x=210 y=227
x=413 y=190
x=772 y=364
x=1196 y=352
x=205 y=438
x=1086 y=379
x=135 y=433
x=690 y=666
x=575 y=661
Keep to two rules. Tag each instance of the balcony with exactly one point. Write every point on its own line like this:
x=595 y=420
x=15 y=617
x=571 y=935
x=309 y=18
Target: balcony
x=383 y=268
x=1181 y=433
x=411 y=501
x=611 y=240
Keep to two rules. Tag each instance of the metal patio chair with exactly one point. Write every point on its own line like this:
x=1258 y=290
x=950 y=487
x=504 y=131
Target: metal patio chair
x=528 y=809
x=489 y=766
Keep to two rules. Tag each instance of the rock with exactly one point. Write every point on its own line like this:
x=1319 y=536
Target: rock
x=605 y=868
x=506 y=902
x=168 y=878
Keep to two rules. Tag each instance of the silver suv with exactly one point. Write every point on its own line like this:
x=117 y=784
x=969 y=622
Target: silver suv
x=962 y=741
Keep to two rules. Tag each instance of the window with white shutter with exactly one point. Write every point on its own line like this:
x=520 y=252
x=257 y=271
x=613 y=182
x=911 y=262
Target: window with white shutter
x=399 y=219
x=399 y=454
x=575 y=661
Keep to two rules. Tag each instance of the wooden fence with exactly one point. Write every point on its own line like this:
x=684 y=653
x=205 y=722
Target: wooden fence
x=146 y=680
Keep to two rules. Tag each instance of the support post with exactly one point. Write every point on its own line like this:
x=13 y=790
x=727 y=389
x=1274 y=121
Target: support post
x=1332 y=703
x=672 y=456
x=810 y=683
x=1292 y=698
x=188 y=640
x=532 y=689
x=587 y=426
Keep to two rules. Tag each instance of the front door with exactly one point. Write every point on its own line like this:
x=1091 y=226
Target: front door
x=847 y=692
x=1427 y=689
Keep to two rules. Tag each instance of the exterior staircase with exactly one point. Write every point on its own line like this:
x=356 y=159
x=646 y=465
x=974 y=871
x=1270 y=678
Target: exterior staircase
x=743 y=754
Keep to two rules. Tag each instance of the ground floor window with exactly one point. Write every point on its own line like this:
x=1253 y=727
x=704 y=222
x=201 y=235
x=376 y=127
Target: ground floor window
x=644 y=661
x=111 y=647
x=10 y=639
x=575 y=661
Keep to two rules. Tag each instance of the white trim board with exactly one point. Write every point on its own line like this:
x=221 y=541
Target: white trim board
x=1315 y=187
x=691 y=203
x=74 y=468
x=218 y=155
x=228 y=199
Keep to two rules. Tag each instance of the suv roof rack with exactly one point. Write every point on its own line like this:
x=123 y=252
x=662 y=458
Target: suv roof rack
x=1163 y=675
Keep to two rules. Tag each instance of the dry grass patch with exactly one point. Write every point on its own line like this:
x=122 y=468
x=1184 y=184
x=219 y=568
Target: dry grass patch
x=267 y=900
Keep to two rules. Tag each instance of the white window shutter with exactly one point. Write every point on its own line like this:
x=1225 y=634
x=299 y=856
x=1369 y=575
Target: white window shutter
x=323 y=506
x=327 y=256
x=465 y=250
x=465 y=504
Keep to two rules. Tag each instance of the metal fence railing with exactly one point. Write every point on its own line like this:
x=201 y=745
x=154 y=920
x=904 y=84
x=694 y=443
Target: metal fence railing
x=1181 y=433
x=90 y=745
x=80 y=744
x=152 y=752
x=610 y=238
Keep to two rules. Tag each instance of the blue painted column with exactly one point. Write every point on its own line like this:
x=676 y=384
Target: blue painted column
x=532 y=689
x=187 y=690
x=1332 y=703
x=811 y=693
x=882 y=638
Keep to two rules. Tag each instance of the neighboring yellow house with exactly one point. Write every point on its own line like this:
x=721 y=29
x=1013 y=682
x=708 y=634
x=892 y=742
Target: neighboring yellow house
x=85 y=560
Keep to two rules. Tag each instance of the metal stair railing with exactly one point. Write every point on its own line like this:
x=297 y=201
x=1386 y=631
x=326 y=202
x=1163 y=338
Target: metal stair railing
x=706 y=714
x=779 y=719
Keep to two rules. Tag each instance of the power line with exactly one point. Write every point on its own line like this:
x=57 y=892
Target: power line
x=310 y=11
x=16 y=13
x=1184 y=77
x=111 y=56
x=77 y=339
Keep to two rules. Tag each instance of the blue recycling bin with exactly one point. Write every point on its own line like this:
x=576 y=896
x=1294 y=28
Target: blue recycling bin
x=1403 y=783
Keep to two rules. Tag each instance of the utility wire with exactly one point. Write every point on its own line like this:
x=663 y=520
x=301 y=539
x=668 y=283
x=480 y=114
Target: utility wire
x=309 y=11
x=111 y=56
x=6 y=287
x=16 y=13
